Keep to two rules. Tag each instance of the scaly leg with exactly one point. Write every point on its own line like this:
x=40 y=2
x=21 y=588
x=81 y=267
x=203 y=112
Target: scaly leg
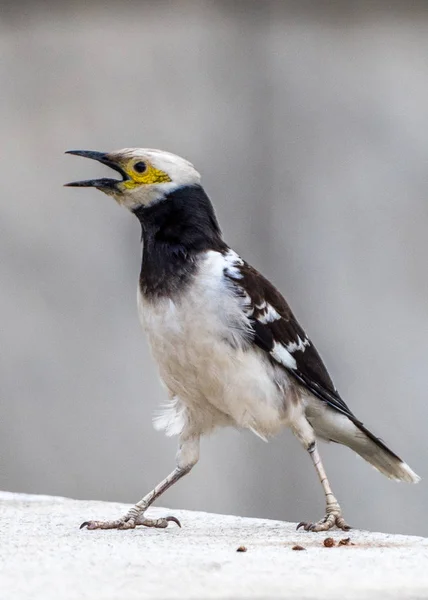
x=305 y=433
x=187 y=457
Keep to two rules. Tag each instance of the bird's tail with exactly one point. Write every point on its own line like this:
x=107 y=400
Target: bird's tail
x=374 y=451
x=349 y=431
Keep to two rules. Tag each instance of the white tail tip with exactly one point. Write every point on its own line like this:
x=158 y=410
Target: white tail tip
x=407 y=474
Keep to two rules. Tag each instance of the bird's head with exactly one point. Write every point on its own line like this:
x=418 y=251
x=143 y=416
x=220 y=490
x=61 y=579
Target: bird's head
x=147 y=175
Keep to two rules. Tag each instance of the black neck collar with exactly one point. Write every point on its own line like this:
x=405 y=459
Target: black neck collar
x=175 y=231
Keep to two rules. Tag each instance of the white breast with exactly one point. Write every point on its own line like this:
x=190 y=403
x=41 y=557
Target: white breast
x=198 y=341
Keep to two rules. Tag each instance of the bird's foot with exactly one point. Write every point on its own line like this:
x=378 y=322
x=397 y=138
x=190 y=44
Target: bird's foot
x=130 y=521
x=332 y=518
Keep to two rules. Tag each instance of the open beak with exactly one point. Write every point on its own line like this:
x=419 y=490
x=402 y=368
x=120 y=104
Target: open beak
x=104 y=183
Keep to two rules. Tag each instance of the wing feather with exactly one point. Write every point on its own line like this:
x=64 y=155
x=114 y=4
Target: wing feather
x=277 y=332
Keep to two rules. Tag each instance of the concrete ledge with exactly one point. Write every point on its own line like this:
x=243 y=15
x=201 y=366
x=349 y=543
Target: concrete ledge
x=44 y=555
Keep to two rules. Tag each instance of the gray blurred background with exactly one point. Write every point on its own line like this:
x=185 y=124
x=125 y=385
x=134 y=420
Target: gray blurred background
x=309 y=124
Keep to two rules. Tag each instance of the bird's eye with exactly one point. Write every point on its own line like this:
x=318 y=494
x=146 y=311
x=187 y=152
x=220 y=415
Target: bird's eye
x=140 y=167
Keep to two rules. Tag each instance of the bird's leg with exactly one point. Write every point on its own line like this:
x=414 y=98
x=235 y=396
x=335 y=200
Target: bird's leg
x=333 y=515
x=135 y=516
x=187 y=457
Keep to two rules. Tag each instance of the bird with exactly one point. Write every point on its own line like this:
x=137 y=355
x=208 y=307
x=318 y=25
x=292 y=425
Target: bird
x=229 y=350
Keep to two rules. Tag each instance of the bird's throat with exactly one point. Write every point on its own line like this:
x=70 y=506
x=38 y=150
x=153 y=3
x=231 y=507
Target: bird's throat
x=175 y=231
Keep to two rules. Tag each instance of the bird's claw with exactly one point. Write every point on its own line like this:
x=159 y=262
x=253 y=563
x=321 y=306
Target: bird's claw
x=119 y=524
x=157 y=523
x=131 y=523
x=173 y=520
x=329 y=521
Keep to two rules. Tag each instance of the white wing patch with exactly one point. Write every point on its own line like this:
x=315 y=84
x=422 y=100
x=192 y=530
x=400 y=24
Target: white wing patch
x=284 y=353
x=269 y=316
x=231 y=268
x=299 y=345
x=232 y=261
x=283 y=356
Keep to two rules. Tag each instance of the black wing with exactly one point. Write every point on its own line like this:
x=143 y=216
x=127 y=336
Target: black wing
x=277 y=332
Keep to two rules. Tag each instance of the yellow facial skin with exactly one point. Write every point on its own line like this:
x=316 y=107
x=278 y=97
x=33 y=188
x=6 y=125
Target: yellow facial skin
x=148 y=177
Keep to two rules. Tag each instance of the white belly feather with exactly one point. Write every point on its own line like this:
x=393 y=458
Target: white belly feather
x=211 y=374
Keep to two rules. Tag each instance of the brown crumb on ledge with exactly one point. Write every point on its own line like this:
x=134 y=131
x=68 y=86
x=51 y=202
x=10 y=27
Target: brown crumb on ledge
x=345 y=542
x=297 y=547
x=329 y=542
x=242 y=549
